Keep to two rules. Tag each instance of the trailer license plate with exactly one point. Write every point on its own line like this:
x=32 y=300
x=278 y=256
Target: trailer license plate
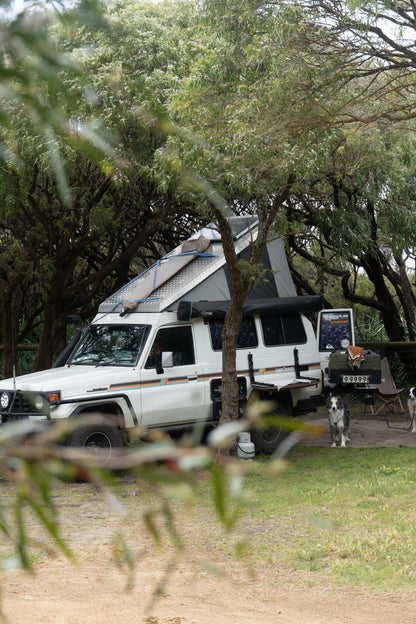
x=362 y=379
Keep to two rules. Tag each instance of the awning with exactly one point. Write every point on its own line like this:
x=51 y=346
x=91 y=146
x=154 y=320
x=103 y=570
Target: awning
x=278 y=305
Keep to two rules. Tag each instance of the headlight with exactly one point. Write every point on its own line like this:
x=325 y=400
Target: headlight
x=42 y=401
x=4 y=400
x=39 y=402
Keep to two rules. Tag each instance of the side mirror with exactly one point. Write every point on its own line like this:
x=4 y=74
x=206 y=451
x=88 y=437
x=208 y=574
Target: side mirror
x=167 y=359
x=164 y=361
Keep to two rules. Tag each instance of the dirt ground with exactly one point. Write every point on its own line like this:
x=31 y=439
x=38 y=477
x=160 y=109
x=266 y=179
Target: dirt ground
x=94 y=591
x=371 y=432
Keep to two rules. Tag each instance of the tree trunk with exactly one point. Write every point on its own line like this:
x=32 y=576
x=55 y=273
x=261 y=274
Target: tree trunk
x=388 y=308
x=11 y=312
x=241 y=283
x=407 y=299
x=52 y=338
x=231 y=328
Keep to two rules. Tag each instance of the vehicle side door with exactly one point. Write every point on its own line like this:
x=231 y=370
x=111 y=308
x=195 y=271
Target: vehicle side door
x=172 y=394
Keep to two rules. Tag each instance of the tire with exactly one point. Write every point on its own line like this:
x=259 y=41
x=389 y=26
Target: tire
x=98 y=437
x=267 y=440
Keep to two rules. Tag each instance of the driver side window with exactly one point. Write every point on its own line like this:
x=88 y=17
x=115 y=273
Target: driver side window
x=178 y=340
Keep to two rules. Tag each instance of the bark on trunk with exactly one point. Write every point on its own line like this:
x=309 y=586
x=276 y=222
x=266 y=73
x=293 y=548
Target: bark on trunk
x=53 y=335
x=11 y=314
x=241 y=284
x=231 y=328
x=407 y=299
x=388 y=308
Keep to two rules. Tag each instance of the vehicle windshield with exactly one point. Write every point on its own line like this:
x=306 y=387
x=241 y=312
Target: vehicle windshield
x=110 y=345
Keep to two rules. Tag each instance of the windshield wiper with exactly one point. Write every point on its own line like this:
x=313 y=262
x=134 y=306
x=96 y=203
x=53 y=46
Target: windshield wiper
x=106 y=362
x=82 y=361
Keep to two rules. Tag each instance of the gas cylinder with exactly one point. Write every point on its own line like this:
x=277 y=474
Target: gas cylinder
x=245 y=447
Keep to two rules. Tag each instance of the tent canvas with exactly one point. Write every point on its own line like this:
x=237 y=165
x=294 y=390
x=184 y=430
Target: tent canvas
x=196 y=271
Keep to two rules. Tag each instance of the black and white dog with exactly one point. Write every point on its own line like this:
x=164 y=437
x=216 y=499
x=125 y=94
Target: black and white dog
x=339 y=420
x=411 y=404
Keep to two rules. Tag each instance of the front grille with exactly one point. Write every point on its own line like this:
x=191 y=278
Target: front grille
x=22 y=404
x=19 y=407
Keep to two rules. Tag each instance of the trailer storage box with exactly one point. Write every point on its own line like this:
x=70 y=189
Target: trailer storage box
x=342 y=371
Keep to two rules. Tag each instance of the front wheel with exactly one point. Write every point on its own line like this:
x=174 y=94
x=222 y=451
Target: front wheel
x=267 y=439
x=100 y=439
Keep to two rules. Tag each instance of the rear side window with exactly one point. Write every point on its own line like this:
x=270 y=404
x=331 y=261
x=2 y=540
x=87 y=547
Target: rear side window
x=247 y=337
x=282 y=329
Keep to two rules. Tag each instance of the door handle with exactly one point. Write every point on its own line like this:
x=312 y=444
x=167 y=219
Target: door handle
x=192 y=377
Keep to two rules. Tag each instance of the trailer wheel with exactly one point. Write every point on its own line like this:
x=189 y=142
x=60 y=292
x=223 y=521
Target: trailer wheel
x=267 y=440
x=100 y=438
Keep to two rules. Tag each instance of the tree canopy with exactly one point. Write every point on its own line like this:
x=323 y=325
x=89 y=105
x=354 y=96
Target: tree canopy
x=169 y=113
x=64 y=251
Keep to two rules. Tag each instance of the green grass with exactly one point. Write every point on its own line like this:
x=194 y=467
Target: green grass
x=348 y=516
x=332 y=517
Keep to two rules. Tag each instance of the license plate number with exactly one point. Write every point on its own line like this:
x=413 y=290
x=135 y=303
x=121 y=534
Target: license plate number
x=355 y=379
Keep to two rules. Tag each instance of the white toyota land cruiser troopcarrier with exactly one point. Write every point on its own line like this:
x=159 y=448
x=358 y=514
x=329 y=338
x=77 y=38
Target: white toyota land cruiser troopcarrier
x=151 y=358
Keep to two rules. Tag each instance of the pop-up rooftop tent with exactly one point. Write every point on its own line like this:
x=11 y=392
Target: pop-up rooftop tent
x=193 y=279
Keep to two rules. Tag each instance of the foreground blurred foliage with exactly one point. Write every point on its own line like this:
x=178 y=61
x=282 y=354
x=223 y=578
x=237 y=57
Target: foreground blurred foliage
x=33 y=460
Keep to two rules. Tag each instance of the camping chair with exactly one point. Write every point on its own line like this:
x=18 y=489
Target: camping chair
x=383 y=398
